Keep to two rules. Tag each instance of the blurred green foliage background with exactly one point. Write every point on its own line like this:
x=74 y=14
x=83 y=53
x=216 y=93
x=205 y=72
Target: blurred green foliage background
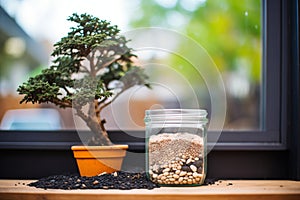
x=231 y=33
x=230 y=30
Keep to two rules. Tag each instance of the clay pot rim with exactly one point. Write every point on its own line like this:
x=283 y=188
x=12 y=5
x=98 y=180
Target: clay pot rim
x=84 y=148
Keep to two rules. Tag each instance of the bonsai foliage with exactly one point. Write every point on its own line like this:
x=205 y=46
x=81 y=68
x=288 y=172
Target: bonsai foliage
x=92 y=66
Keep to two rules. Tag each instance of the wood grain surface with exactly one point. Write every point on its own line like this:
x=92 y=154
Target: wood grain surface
x=226 y=190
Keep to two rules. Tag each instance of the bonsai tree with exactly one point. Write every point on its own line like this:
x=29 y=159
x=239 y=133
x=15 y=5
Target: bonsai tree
x=92 y=66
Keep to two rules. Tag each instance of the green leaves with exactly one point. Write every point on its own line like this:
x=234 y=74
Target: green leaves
x=38 y=91
x=89 y=33
x=89 y=89
x=89 y=25
x=92 y=55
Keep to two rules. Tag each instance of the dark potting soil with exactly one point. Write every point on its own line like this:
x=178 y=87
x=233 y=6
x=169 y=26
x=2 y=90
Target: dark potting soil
x=117 y=180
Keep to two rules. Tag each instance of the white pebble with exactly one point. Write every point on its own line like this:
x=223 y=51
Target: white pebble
x=166 y=170
x=175 y=176
x=154 y=176
x=182 y=173
x=196 y=175
x=193 y=168
x=172 y=179
x=188 y=161
x=102 y=173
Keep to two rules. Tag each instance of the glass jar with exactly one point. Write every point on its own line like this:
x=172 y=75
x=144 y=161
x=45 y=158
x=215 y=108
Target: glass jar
x=176 y=146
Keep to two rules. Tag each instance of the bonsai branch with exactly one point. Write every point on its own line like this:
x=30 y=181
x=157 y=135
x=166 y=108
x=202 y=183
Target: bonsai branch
x=62 y=103
x=106 y=64
x=102 y=106
x=67 y=91
x=84 y=69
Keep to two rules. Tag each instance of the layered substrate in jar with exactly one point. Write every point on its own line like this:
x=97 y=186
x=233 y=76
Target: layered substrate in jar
x=176 y=159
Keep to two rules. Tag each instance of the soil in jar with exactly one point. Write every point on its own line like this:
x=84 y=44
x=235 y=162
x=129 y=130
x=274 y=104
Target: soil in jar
x=176 y=158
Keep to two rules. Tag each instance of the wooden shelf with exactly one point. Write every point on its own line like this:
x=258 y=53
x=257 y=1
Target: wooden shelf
x=226 y=189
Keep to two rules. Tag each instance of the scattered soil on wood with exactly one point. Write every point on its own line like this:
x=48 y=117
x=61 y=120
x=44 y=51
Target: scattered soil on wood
x=117 y=180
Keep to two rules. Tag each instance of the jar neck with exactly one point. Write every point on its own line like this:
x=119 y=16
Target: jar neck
x=176 y=116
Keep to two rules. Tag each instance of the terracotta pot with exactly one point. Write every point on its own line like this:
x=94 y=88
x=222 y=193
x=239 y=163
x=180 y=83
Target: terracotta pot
x=94 y=160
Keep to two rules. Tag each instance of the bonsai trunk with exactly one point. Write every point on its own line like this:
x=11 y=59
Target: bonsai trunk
x=100 y=137
x=96 y=125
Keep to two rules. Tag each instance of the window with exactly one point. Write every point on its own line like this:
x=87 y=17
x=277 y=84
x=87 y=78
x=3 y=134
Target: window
x=232 y=32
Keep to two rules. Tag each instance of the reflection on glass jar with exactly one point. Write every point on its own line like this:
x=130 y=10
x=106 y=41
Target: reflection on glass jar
x=176 y=146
